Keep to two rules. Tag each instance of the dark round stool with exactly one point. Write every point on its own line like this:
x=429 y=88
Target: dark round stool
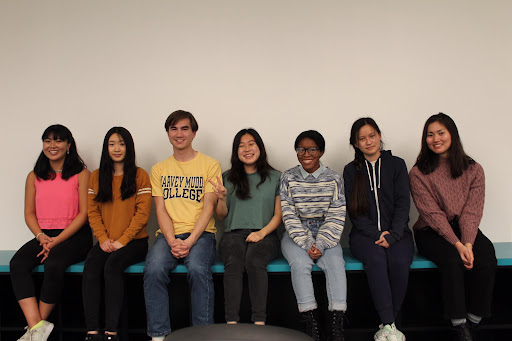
x=238 y=332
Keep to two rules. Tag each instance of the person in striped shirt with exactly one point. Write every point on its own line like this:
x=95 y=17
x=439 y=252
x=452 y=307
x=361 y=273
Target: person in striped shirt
x=313 y=205
x=119 y=208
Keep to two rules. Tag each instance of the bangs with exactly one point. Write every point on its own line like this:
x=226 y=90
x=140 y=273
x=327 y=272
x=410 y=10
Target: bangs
x=57 y=132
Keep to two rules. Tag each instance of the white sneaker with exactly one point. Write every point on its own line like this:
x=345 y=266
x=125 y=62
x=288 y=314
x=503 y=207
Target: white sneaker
x=41 y=333
x=26 y=336
x=399 y=335
x=388 y=333
x=393 y=333
x=381 y=334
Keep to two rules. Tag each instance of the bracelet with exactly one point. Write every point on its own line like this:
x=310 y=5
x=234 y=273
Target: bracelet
x=40 y=233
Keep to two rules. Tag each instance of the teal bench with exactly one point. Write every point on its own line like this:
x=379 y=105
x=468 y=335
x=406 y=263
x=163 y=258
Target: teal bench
x=503 y=254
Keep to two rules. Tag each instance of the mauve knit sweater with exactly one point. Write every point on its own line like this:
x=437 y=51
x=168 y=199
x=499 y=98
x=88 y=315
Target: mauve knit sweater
x=440 y=199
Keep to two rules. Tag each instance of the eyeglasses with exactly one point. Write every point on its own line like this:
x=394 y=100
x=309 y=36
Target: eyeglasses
x=301 y=151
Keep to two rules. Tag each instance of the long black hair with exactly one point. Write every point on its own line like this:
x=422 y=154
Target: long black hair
x=237 y=175
x=73 y=164
x=128 y=185
x=359 y=203
x=428 y=161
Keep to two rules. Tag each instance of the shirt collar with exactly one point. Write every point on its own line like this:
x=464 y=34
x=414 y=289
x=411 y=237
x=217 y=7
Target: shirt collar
x=315 y=174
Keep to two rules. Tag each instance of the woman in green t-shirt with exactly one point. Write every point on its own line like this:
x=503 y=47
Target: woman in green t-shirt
x=250 y=206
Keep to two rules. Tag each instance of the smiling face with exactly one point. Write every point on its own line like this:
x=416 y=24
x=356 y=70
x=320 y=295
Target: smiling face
x=55 y=149
x=368 y=141
x=116 y=148
x=309 y=162
x=181 y=135
x=439 y=139
x=248 y=152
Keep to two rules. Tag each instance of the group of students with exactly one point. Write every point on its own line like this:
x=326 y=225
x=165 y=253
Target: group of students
x=63 y=201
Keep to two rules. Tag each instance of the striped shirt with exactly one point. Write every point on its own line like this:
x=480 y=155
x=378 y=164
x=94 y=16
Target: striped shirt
x=321 y=198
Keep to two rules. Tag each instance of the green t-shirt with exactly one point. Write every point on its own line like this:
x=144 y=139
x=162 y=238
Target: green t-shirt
x=257 y=211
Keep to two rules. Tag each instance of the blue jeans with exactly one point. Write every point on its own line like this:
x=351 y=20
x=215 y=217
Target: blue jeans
x=301 y=264
x=159 y=263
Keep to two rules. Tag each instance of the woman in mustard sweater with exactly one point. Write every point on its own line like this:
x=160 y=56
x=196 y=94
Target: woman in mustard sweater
x=119 y=208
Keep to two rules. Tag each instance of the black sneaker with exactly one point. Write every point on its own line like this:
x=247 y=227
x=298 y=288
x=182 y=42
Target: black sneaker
x=473 y=328
x=94 y=337
x=462 y=333
x=111 y=337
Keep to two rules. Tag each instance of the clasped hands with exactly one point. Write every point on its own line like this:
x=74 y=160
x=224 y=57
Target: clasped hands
x=314 y=253
x=466 y=254
x=180 y=248
x=382 y=241
x=47 y=243
x=110 y=245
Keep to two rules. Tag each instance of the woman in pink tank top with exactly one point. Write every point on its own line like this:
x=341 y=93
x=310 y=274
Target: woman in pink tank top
x=56 y=213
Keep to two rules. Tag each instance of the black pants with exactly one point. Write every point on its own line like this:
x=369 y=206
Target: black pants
x=105 y=270
x=237 y=254
x=72 y=250
x=387 y=271
x=463 y=290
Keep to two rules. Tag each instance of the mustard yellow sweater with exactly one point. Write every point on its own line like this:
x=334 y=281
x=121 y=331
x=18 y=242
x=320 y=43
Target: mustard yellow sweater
x=121 y=220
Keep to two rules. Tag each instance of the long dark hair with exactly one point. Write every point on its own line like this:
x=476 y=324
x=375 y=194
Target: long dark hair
x=359 y=202
x=237 y=175
x=428 y=161
x=128 y=185
x=73 y=164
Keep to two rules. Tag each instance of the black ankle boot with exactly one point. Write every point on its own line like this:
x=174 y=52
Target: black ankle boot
x=337 y=318
x=462 y=332
x=310 y=319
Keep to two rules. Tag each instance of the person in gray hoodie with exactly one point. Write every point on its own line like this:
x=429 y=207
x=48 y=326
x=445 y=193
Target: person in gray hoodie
x=378 y=202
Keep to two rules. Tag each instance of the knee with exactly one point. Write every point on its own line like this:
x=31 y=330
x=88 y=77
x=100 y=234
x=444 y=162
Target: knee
x=112 y=273
x=375 y=262
x=91 y=272
x=233 y=260
x=53 y=266
x=156 y=271
x=16 y=265
x=399 y=262
x=198 y=269
x=451 y=265
x=301 y=265
x=255 y=264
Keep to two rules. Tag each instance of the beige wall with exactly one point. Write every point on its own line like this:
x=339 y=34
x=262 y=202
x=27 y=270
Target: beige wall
x=278 y=66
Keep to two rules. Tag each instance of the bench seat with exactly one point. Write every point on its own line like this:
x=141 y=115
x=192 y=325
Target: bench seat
x=503 y=253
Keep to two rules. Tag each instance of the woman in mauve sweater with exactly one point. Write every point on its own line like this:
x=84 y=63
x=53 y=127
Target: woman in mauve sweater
x=119 y=207
x=448 y=188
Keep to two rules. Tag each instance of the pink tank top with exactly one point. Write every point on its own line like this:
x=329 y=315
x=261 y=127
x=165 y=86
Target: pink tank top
x=56 y=202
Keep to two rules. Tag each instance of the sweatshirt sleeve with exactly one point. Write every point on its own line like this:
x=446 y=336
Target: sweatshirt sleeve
x=402 y=204
x=362 y=223
x=329 y=233
x=142 y=208
x=428 y=208
x=94 y=210
x=301 y=235
x=472 y=212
